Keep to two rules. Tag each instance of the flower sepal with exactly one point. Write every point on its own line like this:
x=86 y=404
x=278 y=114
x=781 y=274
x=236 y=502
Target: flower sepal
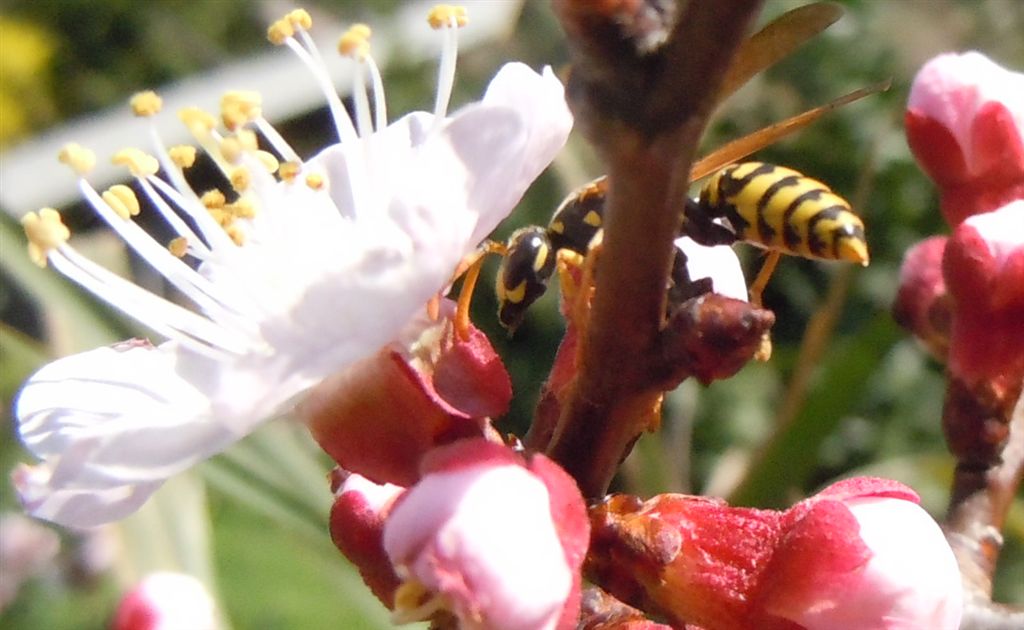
x=380 y=417
x=859 y=555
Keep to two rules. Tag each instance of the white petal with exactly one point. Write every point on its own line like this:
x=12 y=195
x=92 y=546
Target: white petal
x=451 y=532
x=718 y=263
x=540 y=101
x=73 y=507
x=118 y=416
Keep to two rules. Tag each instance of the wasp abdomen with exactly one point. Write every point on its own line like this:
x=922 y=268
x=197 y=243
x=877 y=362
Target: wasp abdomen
x=780 y=209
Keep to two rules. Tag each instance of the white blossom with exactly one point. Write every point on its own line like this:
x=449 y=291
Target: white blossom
x=315 y=265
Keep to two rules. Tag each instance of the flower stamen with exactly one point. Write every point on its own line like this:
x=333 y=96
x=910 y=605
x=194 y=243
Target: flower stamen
x=146 y=104
x=291 y=31
x=47 y=236
x=178 y=246
x=355 y=43
x=315 y=181
x=449 y=18
x=139 y=163
x=183 y=156
x=80 y=159
x=46 y=232
x=122 y=200
x=239 y=107
x=415 y=602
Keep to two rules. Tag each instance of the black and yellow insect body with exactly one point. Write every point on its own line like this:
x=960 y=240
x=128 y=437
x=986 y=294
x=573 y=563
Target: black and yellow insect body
x=532 y=252
x=579 y=218
x=771 y=207
x=779 y=209
x=524 y=273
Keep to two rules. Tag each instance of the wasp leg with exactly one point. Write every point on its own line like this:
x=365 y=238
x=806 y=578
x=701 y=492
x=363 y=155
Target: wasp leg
x=577 y=295
x=765 y=274
x=469 y=270
x=756 y=290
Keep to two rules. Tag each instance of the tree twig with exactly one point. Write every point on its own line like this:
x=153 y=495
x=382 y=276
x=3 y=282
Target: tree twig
x=642 y=88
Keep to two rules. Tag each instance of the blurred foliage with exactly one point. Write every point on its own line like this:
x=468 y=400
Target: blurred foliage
x=871 y=403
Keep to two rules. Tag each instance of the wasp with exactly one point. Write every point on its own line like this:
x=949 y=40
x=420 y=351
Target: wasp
x=771 y=207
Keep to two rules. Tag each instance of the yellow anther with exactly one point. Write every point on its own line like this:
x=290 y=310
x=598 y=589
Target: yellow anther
x=315 y=181
x=242 y=209
x=247 y=138
x=122 y=200
x=241 y=179
x=213 y=199
x=199 y=123
x=239 y=107
x=140 y=164
x=236 y=234
x=300 y=18
x=221 y=216
x=355 y=42
x=178 y=246
x=80 y=159
x=443 y=15
x=45 y=232
x=231 y=148
x=268 y=161
x=145 y=104
x=289 y=171
x=183 y=155
x=280 y=31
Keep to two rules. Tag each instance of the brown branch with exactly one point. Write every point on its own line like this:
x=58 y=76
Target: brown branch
x=982 y=495
x=644 y=108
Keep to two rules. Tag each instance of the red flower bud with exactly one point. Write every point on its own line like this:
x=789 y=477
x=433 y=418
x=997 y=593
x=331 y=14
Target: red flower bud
x=357 y=529
x=922 y=305
x=983 y=267
x=965 y=124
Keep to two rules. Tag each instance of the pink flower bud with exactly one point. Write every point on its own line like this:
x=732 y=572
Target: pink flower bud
x=984 y=270
x=922 y=305
x=965 y=124
x=357 y=529
x=860 y=555
x=493 y=539
x=380 y=416
x=166 y=601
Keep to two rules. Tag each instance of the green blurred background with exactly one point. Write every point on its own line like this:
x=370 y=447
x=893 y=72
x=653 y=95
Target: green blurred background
x=856 y=396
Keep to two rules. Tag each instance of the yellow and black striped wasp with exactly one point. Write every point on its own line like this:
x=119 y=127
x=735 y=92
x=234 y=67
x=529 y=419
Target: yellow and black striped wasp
x=772 y=207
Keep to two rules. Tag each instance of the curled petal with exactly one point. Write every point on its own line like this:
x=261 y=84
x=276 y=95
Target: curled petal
x=111 y=424
x=478 y=536
x=76 y=507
